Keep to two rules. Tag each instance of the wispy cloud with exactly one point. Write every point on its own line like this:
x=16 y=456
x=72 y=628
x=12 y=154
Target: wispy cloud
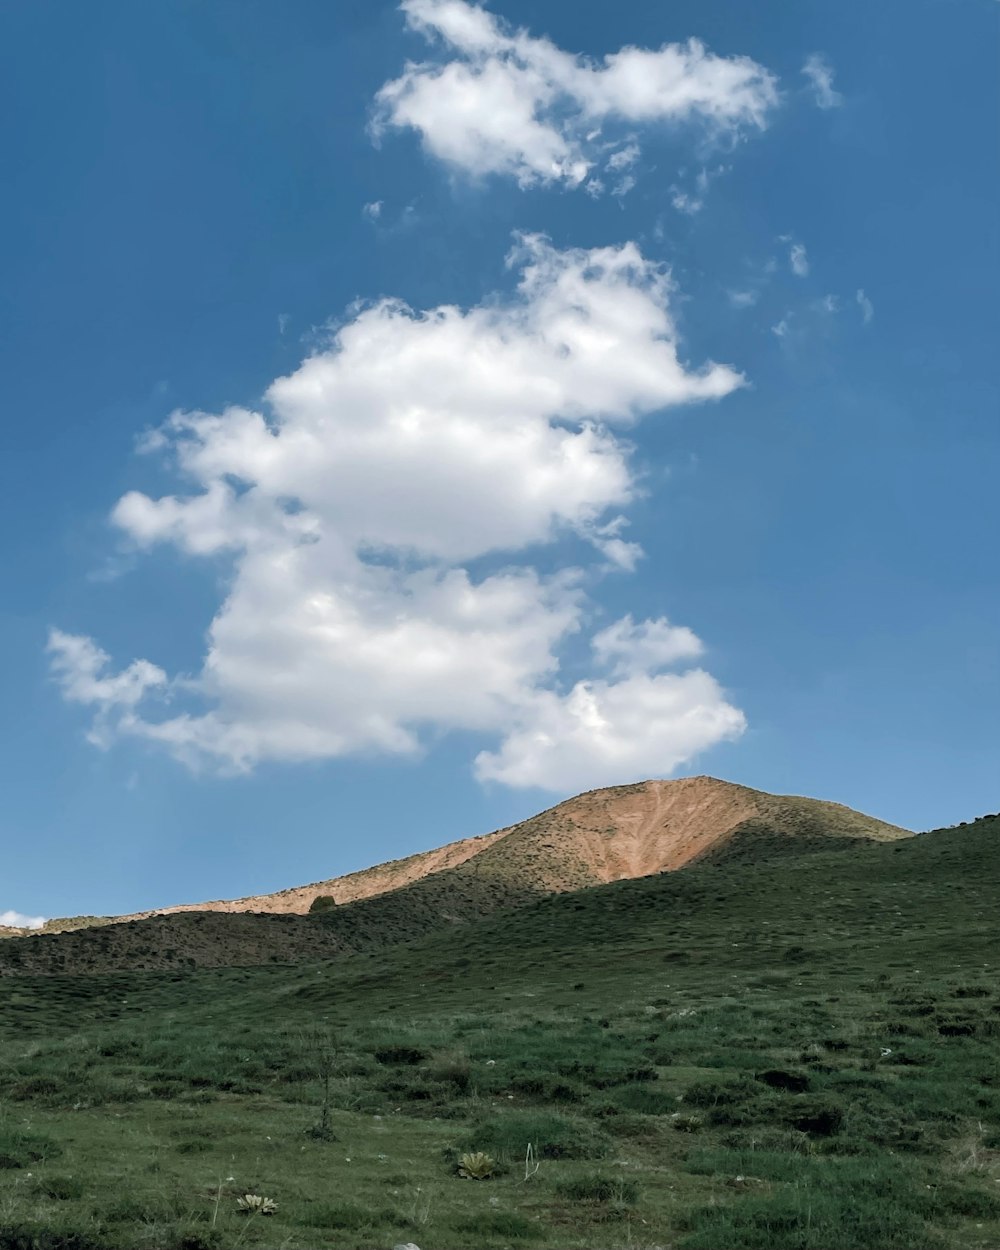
x=692 y=201
x=866 y=306
x=798 y=260
x=373 y=211
x=820 y=76
x=743 y=299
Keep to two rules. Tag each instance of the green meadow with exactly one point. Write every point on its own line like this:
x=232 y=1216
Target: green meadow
x=774 y=1051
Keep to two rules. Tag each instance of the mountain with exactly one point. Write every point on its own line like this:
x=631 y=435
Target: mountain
x=602 y=836
x=599 y=836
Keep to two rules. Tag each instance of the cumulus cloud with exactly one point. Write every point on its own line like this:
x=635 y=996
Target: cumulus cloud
x=798 y=260
x=505 y=102
x=866 y=306
x=609 y=732
x=820 y=76
x=349 y=512
x=17 y=920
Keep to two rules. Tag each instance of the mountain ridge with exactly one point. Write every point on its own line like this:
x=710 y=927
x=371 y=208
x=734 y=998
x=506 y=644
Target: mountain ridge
x=592 y=839
x=696 y=813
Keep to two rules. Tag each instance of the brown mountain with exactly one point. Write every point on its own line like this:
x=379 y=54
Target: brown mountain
x=598 y=837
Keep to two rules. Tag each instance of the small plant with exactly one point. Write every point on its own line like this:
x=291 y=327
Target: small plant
x=476 y=1166
x=320 y=1046
x=687 y=1123
x=254 y=1204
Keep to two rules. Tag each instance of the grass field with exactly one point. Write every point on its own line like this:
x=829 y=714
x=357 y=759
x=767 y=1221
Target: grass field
x=791 y=1054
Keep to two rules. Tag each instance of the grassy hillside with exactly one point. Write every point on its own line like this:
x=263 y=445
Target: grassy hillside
x=799 y=1053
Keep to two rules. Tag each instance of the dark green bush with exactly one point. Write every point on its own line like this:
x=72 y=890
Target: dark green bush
x=323 y=902
x=547 y=1088
x=402 y=1056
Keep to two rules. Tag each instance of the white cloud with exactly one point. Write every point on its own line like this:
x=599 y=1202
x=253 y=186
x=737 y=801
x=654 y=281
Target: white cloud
x=17 y=920
x=80 y=668
x=781 y=328
x=619 y=553
x=797 y=260
x=743 y=299
x=409 y=446
x=820 y=76
x=866 y=306
x=624 y=157
x=628 y=648
x=606 y=733
x=372 y=211
x=828 y=304
x=509 y=103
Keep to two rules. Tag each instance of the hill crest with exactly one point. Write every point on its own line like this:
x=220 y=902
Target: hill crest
x=608 y=834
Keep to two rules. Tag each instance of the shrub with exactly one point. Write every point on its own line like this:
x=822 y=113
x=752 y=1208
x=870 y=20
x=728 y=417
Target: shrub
x=781 y=1078
x=322 y=902
x=547 y=1088
x=452 y=1068
x=821 y=1118
x=402 y=1056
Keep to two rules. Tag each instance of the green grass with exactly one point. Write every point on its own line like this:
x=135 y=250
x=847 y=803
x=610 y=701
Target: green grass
x=684 y=1074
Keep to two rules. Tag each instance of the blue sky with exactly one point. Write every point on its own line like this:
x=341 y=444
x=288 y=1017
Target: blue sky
x=639 y=418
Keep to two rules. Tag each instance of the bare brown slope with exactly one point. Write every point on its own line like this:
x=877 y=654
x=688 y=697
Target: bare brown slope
x=366 y=883
x=661 y=826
